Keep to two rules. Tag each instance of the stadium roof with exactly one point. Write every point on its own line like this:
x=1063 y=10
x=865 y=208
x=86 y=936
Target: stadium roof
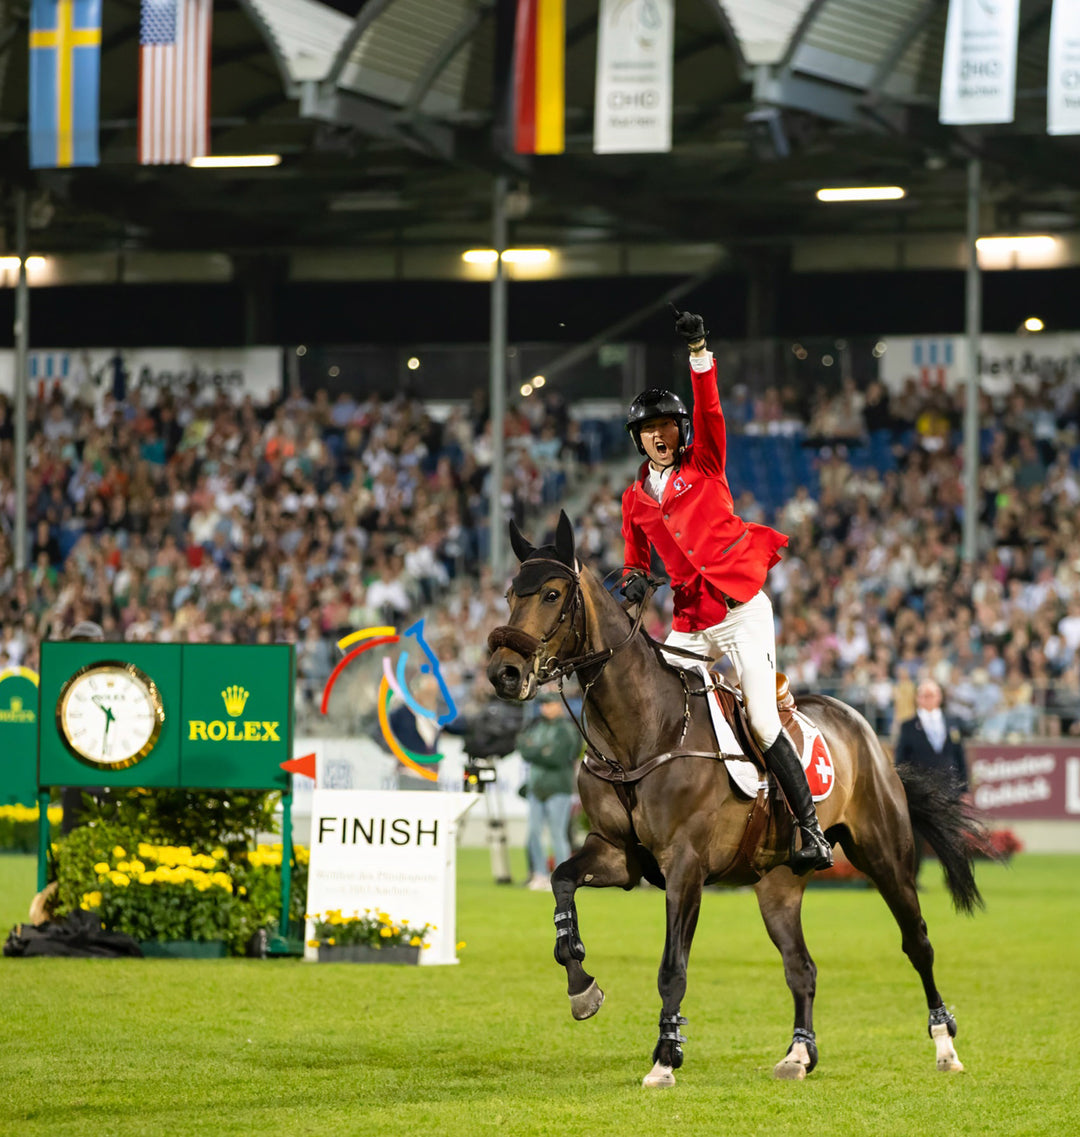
x=385 y=116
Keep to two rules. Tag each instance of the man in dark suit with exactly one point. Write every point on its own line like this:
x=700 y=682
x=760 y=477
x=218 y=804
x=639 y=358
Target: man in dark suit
x=932 y=740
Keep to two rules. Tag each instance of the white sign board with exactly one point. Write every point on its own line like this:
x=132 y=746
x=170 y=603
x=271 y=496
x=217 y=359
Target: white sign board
x=395 y=850
x=634 y=54
x=1005 y=362
x=1063 y=70
x=978 y=72
x=255 y=371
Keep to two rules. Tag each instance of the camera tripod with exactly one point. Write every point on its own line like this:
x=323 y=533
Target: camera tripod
x=480 y=778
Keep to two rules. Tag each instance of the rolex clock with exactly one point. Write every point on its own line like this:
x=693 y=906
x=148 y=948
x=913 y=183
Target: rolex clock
x=110 y=715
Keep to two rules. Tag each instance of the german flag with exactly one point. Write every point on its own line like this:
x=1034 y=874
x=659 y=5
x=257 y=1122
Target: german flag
x=539 y=86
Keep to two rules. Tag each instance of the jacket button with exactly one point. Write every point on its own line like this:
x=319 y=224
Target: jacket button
x=689 y=552
x=667 y=516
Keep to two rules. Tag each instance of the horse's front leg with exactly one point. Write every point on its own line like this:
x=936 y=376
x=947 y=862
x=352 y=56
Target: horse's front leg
x=685 y=880
x=598 y=864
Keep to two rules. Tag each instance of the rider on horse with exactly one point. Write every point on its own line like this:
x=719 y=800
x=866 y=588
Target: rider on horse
x=681 y=505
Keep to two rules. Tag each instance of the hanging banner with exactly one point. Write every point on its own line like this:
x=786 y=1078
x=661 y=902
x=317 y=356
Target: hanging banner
x=634 y=55
x=65 y=64
x=1063 y=72
x=978 y=73
x=539 y=82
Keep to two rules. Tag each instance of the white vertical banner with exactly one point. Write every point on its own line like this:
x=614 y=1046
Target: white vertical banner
x=395 y=850
x=634 y=57
x=1063 y=71
x=978 y=73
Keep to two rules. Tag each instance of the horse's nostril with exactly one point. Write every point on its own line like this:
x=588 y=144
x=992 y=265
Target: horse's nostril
x=510 y=677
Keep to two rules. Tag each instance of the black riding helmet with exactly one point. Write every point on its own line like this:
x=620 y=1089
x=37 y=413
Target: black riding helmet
x=658 y=403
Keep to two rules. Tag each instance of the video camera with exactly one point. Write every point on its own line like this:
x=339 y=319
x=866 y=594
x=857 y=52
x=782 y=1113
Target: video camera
x=490 y=734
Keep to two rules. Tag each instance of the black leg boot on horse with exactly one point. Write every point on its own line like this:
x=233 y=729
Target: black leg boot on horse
x=815 y=853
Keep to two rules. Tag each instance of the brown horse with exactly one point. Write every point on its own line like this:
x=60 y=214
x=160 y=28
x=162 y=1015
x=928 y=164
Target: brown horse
x=683 y=824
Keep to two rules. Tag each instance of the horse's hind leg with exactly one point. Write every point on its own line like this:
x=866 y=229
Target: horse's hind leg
x=780 y=895
x=597 y=864
x=890 y=864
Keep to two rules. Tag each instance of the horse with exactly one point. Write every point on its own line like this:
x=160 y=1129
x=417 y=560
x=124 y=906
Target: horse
x=661 y=806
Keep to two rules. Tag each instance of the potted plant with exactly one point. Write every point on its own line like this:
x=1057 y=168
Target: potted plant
x=373 y=937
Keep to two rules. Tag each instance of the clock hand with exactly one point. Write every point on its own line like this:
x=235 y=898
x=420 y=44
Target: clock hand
x=105 y=736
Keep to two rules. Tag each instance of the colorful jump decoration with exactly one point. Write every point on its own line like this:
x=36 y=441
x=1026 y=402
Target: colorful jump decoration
x=394 y=682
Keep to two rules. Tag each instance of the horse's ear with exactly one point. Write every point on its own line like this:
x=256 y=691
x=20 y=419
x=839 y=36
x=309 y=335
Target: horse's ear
x=523 y=548
x=564 y=540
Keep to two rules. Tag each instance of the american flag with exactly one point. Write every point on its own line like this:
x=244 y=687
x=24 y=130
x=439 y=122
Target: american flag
x=174 y=80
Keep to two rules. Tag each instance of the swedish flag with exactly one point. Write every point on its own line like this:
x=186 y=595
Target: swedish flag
x=65 y=66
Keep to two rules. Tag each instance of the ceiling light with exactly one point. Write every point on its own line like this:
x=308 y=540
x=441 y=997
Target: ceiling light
x=862 y=193
x=413 y=363
x=233 y=161
x=32 y=263
x=526 y=256
x=526 y=389
x=1039 y=243
x=538 y=381
x=1033 y=324
x=510 y=256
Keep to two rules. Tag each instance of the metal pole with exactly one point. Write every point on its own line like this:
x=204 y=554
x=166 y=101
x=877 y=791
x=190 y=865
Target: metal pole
x=22 y=340
x=497 y=535
x=972 y=332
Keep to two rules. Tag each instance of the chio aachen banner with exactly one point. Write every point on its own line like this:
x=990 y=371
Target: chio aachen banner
x=635 y=43
x=1063 y=71
x=978 y=72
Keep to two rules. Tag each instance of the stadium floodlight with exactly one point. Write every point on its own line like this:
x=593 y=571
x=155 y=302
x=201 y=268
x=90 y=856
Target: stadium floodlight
x=1033 y=324
x=1024 y=243
x=538 y=381
x=862 y=193
x=234 y=161
x=32 y=263
x=413 y=363
x=526 y=389
x=509 y=256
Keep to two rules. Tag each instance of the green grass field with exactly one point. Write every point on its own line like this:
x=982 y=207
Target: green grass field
x=149 y=1047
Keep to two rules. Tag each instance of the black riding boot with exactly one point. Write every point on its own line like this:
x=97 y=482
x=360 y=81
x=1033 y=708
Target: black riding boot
x=784 y=763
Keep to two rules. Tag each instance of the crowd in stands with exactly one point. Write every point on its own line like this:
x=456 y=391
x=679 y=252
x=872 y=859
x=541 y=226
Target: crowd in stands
x=193 y=517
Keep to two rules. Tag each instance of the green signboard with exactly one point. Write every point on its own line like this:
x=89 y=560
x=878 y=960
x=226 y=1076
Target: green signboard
x=194 y=715
x=18 y=736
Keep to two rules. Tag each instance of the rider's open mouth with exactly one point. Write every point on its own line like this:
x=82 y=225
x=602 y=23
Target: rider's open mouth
x=661 y=448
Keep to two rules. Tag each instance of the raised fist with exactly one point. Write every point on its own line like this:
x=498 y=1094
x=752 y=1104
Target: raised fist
x=691 y=327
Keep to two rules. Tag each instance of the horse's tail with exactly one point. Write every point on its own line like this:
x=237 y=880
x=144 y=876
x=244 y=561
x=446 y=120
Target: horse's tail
x=949 y=826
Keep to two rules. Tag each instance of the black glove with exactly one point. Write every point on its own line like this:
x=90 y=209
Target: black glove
x=690 y=326
x=635 y=587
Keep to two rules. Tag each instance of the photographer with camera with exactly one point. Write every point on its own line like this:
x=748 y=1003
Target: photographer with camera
x=551 y=746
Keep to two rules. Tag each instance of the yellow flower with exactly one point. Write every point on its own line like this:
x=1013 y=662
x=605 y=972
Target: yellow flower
x=221 y=880
x=123 y=866
x=218 y=854
x=425 y=946
x=91 y=900
x=101 y=868
x=118 y=851
x=120 y=879
x=243 y=891
x=55 y=813
x=415 y=941
x=202 y=885
x=331 y=941
x=384 y=918
x=313 y=943
x=135 y=868
x=460 y=946
x=147 y=878
x=385 y=932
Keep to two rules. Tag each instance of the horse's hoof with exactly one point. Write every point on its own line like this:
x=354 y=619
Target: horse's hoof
x=790 y=1069
x=585 y=1005
x=947 y=1060
x=659 y=1077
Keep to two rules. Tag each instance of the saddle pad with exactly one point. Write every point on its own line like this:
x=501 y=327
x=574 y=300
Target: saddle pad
x=814 y=753
x=746 y=776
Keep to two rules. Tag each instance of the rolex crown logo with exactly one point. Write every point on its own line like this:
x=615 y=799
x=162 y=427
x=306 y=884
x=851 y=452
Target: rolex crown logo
x=235 y=698
x=16 y=704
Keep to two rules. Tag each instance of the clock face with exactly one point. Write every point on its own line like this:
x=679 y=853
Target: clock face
x=110 y=715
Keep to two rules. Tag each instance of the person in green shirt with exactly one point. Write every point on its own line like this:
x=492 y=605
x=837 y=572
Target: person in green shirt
x=551 y=746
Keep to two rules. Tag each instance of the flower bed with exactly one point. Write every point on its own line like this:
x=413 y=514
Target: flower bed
x=373 y=937
x=19 y=826
x=169 y=893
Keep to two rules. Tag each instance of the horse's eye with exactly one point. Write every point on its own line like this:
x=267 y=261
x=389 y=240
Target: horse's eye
x=551 y=596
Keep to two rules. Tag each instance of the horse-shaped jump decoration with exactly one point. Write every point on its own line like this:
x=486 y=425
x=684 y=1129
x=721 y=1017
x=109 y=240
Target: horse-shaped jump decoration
x=661 y=806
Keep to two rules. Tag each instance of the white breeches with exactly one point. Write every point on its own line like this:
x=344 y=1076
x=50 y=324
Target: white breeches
x=748 y=636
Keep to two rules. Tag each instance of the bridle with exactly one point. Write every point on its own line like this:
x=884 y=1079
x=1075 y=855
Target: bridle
x=549 y=668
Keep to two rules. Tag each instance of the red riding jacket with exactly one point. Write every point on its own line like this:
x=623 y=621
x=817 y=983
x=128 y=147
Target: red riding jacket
x=708 y=551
